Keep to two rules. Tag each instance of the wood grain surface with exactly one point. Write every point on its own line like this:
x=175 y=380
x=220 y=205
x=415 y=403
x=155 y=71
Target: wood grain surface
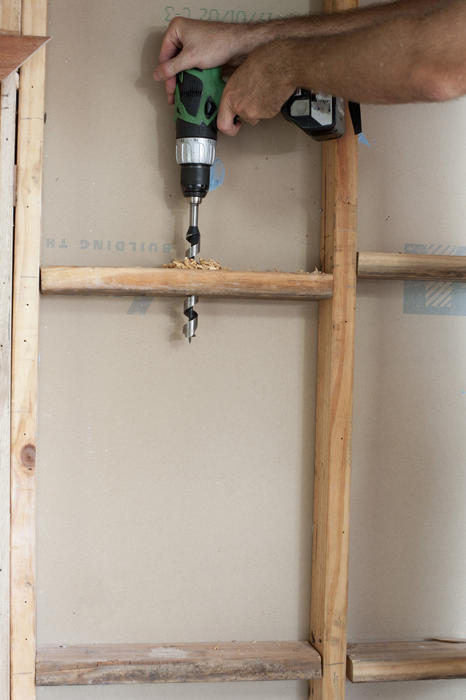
x=335 y=364
x=174 y=282
x=164 y=663
x=10 y=16
x=10 y=21
x=7 y=164
x=404 y=266
x=25 y=357
x=406 y=661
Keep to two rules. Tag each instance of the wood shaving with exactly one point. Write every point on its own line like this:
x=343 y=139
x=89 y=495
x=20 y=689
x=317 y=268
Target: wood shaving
x=315 y=271
x=201 y=264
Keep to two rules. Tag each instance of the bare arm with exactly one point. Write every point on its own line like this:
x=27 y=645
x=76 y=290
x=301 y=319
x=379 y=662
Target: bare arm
x=404 y=59
x=190 y=43
x=339 y=22
x=408 y=58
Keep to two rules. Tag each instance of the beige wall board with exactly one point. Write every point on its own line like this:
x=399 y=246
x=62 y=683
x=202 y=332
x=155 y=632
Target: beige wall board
x=265 y=690
x=403 y=198
x=244 y=474
x=420 y=690
x=407 y=567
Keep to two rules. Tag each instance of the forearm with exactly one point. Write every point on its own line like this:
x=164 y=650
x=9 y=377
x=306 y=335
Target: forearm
x=406 y=59
x=319 y=25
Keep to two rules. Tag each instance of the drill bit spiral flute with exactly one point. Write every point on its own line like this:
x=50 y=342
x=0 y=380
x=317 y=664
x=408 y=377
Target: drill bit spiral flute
x=197 y=98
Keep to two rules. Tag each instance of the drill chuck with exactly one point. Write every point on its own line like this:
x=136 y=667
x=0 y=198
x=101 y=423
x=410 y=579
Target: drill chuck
x=195 y=180
x=195 y=155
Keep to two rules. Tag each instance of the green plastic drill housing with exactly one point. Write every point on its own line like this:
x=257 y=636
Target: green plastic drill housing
x=197 y=99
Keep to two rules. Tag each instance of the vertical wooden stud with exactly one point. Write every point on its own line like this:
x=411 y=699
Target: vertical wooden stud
x=10 y=21
x=25 y=357
x=10 y=16
x=7 y=165
x=329 y=586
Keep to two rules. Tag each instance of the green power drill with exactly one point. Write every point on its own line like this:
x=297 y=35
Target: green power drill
x=197 y=99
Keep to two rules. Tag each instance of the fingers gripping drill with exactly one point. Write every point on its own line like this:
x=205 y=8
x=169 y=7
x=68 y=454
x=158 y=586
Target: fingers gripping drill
x=197 y=99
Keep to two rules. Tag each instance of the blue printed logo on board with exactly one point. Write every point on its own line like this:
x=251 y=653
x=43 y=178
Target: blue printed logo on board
x=217 y=175
x=439 y=298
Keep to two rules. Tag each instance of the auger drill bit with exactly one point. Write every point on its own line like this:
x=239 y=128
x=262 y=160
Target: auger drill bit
x=194 y=239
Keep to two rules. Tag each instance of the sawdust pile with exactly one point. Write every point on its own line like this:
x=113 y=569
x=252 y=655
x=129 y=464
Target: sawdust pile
x=201 y=264
x=211 y=264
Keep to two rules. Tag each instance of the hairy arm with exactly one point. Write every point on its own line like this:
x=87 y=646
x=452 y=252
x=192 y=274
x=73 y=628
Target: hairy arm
x=191 y=43
x=408 y=58
x=339 y=22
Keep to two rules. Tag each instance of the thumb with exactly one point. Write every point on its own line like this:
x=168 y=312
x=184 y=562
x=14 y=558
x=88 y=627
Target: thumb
x=227 y=121
x=170 y=68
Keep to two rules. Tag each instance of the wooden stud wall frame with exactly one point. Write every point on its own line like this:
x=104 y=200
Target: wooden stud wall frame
x=323 y=660
x=269 y=660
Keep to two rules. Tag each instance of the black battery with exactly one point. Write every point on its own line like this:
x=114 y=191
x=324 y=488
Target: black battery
x=319 y=115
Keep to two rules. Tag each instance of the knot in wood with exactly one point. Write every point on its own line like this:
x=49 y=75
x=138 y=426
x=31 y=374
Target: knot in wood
x=28 y=456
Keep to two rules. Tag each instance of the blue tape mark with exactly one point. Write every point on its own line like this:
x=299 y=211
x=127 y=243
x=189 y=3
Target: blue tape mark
x=139 y=305
x=434 y=298
x=217 y=174
x=362 y=138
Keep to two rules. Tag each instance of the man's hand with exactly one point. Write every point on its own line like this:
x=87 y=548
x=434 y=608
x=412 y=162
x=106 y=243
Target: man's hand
x=258 y=88
x=195 y=44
